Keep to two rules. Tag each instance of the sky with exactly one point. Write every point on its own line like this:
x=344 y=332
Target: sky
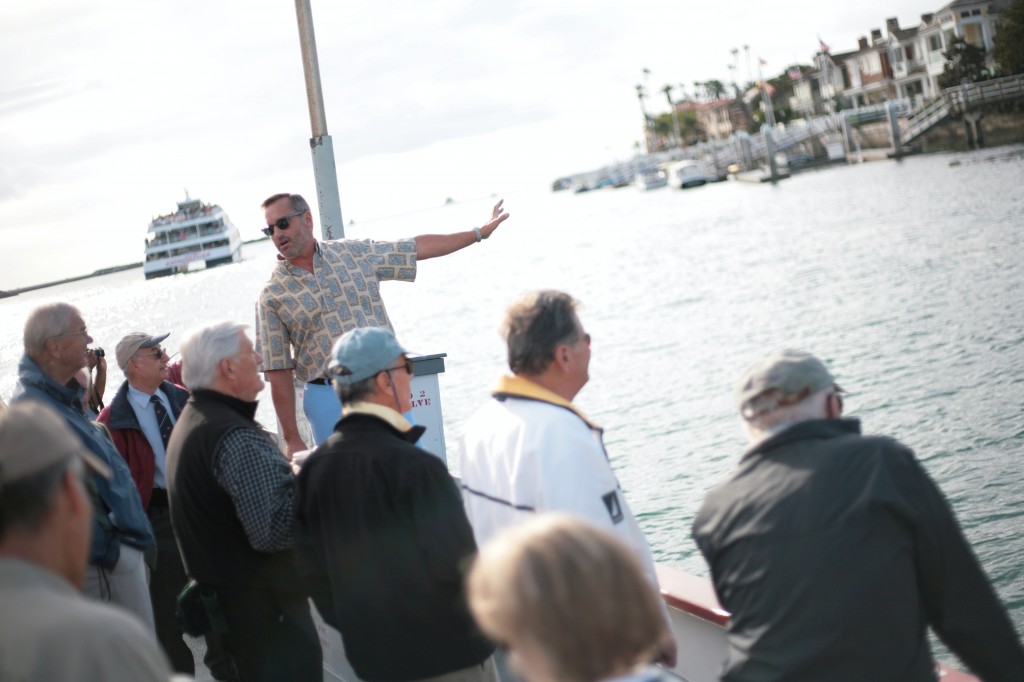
x=111 y=110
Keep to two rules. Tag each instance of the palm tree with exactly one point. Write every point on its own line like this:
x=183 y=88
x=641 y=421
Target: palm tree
x=716 y=90
x=643 y=111
x=675 y=116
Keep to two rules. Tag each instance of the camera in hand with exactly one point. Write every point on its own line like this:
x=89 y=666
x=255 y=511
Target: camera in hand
x=99 y=352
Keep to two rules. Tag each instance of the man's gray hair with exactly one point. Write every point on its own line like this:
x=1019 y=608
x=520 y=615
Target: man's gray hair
x=204 y=348
x=27 y=502
x=535 y=325
x=44 y=323
x=355 y=392
x=767 y=423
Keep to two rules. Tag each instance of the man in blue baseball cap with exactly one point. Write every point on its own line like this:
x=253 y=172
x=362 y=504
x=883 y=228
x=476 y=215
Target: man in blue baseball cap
x=374 y=511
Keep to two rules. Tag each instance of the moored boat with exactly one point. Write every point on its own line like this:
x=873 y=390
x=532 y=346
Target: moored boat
x=683 y=174
x=651 y=178
x=196 y=232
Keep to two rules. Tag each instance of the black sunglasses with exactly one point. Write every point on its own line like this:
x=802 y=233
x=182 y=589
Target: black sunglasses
x=157 y=352
x=281 y=223
x=406 y=365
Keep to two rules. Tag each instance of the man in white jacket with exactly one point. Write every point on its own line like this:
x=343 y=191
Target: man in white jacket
x=530 y=450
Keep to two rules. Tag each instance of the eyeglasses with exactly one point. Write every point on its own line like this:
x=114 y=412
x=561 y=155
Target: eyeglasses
x=83 y=331
x=281 y=223
x=406 y=365
x=157 y=353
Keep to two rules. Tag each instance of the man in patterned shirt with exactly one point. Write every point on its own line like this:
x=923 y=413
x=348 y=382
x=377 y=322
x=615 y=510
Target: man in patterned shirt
x=231 y=494
x=320 y=290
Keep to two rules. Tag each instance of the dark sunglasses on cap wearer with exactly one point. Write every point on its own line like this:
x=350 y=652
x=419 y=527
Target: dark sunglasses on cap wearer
x=281 y=223
x=157 y=352
x=406 y=365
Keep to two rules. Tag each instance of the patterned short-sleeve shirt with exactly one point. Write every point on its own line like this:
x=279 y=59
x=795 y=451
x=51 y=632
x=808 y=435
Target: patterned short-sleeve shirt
x=300 y=314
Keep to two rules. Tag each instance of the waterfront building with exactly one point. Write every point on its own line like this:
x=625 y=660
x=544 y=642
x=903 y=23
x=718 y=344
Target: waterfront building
x=899 y=63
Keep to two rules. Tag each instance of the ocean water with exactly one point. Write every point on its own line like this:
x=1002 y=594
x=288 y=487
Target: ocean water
x=906 y=277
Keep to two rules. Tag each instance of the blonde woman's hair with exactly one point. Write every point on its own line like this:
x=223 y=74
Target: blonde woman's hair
x=574 y=590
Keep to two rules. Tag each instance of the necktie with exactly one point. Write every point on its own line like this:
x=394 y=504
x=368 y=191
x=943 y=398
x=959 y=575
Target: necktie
x=163 y=420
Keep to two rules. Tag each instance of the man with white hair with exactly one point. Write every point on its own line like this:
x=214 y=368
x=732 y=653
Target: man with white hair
x=834 y=552
x=56 y=340
x=231 y=493
x=140 y=418
x=48 y=630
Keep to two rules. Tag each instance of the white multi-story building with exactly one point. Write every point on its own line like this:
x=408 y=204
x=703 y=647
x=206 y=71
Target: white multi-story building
x=902 y=63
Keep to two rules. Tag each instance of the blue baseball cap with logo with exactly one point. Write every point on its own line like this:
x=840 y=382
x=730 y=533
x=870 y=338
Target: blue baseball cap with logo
x=363 y=352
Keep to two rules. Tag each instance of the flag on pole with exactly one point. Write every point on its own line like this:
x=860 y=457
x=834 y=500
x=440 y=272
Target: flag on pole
x=763 y=62
x=824 y=48
x=794 y=73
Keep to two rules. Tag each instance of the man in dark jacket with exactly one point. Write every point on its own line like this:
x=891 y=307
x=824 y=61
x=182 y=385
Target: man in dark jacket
x=834 y=552
x=232 y=509
x=382 y=535
x=56 y=340
x=140 y=419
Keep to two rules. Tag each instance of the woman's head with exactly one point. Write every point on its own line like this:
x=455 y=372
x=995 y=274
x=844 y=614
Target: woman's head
x=568 y=599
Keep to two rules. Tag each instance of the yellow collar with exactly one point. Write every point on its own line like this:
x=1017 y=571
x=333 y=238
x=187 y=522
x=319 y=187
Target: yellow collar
x=524 y=388
x=381 y=412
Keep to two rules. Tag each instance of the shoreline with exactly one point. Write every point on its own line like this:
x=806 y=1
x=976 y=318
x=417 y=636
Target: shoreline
x=96 y=273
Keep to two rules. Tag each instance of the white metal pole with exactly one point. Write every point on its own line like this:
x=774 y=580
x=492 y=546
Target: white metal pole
x=321 y=147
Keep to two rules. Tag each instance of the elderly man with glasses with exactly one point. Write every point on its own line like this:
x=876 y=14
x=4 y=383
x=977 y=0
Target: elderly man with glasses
x=56 y=340
x=835 y=552
x=320 y=290
x=140 y=418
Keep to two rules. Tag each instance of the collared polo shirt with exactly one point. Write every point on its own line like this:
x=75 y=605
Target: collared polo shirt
x=300 y=314
x=144 y=412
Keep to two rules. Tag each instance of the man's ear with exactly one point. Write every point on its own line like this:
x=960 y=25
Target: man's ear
x=78 y=498
x=561 y=357
x=832 y=410
x=226 y=367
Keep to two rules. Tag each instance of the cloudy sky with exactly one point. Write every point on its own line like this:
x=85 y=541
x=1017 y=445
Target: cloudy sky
x=111 y=109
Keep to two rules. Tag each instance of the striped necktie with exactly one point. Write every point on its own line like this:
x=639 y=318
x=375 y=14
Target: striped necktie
x=163 y=420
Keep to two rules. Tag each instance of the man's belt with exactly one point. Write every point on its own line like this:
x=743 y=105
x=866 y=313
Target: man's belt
x=320 y=382
x=159 y=498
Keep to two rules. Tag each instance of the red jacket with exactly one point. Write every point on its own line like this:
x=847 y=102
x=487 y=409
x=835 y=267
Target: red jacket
x=130 y=441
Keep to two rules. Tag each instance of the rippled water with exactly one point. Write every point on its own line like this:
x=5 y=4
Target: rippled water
x=905 y=277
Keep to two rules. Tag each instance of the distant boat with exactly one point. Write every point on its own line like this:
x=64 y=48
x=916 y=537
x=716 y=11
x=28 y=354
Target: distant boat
x=196 y=232
x=651 y=178
x=683 y=174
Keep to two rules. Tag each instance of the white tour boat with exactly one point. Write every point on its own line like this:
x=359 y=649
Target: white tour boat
x=196 y=232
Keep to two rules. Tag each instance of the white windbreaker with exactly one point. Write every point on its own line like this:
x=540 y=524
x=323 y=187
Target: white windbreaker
x=528 y=450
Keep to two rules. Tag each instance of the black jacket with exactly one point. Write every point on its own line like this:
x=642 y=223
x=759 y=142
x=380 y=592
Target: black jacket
x=834 y=552
x=383 y=543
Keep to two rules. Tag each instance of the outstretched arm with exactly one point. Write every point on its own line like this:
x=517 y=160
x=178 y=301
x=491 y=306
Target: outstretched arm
x=434 y=245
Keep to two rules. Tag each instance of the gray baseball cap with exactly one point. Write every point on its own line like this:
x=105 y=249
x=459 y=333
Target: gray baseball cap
x=793 y=374
x=132 y=343
x=363 y=352
x=33 y=437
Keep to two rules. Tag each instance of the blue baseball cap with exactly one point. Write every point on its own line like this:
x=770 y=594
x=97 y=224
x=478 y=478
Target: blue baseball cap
x=363 y=352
